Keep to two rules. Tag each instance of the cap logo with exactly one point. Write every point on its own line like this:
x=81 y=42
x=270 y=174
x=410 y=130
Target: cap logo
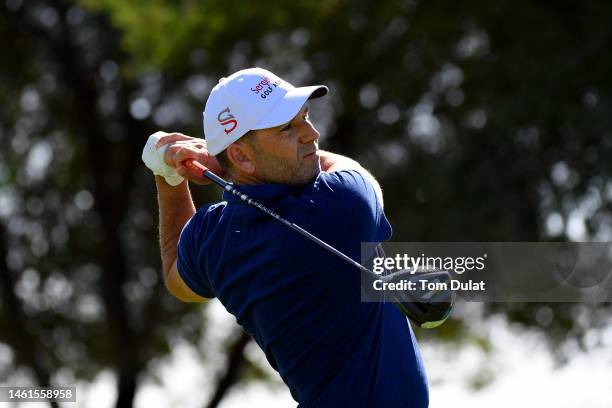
x=228 y=119
x=265 y=87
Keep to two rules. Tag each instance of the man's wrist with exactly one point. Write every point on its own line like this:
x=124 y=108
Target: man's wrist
x=161 y=183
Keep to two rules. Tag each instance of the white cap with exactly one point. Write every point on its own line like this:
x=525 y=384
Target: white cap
x=251 y=99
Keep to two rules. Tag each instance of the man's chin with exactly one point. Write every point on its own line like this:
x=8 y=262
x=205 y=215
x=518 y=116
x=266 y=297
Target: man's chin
x=313 y=177
x=297 y=177
x=306 y=179
x=315 y=172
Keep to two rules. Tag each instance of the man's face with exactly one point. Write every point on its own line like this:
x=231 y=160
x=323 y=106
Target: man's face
x=287 y=154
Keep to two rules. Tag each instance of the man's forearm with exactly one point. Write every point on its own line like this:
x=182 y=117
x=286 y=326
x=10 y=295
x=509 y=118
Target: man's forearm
x=175 y=209
x=335 y=162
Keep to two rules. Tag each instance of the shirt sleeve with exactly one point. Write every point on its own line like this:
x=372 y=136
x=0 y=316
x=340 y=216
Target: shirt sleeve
x=187 y=261
x=358 y=196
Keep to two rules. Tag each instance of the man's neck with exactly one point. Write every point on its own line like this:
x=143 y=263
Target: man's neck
x=243 y=178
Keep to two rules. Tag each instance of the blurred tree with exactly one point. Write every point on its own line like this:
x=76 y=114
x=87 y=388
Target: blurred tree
x=484 y=122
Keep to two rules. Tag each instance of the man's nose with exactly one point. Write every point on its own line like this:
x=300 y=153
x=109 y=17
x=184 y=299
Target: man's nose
x=309 y=134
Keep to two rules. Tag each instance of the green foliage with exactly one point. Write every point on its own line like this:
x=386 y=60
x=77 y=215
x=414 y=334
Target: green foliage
x=162 y=34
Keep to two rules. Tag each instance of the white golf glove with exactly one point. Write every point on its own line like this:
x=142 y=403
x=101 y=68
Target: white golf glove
x=154 y=159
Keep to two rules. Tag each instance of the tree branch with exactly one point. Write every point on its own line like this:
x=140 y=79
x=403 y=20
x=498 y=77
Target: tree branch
x=23 y=343
x=235 y=361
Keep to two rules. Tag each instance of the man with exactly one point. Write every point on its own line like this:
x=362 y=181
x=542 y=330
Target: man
x=300 y=303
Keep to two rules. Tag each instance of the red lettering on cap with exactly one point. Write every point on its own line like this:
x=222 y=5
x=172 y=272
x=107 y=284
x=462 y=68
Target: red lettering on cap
x=265 y=81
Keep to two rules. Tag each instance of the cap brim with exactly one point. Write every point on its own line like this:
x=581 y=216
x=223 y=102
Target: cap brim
x=289 y=106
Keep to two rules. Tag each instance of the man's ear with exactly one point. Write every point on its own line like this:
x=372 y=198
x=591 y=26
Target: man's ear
x=241 y=155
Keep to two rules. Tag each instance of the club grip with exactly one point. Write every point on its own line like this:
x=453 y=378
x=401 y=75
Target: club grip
x=197 y=166
x=194 y=165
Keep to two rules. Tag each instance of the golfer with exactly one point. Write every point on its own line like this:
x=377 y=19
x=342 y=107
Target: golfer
x=300 y=303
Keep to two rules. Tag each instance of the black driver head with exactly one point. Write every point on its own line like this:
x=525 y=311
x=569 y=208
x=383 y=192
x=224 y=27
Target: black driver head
x=427 y=299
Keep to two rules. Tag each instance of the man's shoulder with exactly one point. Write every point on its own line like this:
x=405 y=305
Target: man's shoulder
x=210 y=209
x=340 y=173
x=346 y=178
x=206 y=214
x=350 y=183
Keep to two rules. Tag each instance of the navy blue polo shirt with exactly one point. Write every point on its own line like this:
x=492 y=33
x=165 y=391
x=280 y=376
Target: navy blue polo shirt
x=300 y=303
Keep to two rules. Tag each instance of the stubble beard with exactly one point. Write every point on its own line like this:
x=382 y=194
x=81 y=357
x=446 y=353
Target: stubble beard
x=282 y=171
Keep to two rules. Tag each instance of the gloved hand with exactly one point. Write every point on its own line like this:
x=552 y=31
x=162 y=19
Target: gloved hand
x=154 y=159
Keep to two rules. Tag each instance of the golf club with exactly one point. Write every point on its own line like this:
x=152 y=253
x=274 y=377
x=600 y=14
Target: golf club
x=426 y=308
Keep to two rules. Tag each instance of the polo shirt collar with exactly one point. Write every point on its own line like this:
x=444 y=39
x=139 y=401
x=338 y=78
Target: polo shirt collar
x=264 y=191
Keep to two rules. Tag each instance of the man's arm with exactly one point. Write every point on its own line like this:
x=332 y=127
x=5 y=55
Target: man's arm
x=175 y=209
x=175 y=203
x=335 y=162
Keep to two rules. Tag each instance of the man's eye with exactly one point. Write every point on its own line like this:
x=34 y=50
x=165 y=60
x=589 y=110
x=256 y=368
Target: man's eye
x=286 y=128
